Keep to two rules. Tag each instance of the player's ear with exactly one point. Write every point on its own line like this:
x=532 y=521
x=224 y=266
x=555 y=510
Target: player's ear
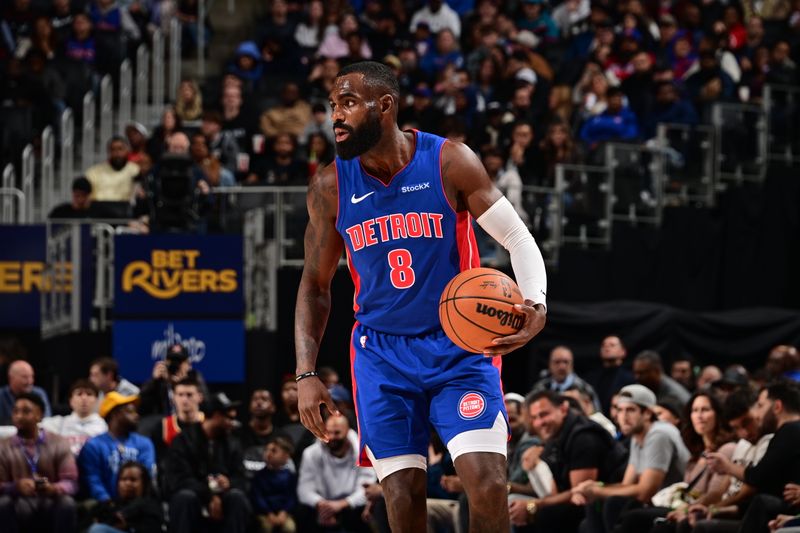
x=386 y=103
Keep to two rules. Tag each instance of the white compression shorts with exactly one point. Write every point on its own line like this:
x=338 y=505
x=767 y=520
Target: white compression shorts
x=502 y=222
x=492 y=440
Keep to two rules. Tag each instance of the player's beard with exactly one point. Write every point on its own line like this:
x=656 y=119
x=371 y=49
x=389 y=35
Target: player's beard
x=361 y=139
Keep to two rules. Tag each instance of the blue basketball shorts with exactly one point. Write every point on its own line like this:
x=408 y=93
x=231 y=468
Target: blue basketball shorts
x=404 y=384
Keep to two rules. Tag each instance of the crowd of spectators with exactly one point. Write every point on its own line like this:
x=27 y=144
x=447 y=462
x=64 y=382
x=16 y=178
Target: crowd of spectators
x=672 y=452
x=527 y=84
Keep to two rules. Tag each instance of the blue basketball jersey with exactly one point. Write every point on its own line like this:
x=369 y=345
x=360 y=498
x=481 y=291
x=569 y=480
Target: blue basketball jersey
x=404 y=242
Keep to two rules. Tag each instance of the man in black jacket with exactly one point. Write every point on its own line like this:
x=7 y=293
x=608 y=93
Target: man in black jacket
x=155 y=397
x=576 y=449
x=613 y=375
x=204 y=469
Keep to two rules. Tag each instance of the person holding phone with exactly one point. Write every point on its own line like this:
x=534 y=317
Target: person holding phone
x=38 y=474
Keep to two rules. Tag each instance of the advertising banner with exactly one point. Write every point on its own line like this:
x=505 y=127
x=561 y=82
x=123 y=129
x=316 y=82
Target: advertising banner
x=22 y=257
x=216 y=347
x=181 y=276
x=22 y=275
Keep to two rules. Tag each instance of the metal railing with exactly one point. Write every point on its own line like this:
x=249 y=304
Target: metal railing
x=544 y=217
x=260 y=273
x=61 y=287
x=67 y=165
x=782 y=114
x=740 y=150
x=103 y=300
x=174 y=58
x=284 y=217
x=10 y=213
x=141 y=112
x=157 y=89
x=47 y=198
x=636 y=180
x=88 y=145
x=586 y=202
x=28 y=169
x=284 y=211
x=56 y=166
x=689 y=165
x=125 y=96
x=106 y=118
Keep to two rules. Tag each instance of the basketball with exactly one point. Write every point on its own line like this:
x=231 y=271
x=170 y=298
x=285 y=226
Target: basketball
x=477 y=306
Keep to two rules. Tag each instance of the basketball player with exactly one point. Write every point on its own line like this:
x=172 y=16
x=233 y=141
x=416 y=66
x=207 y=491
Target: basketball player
x=400 y=204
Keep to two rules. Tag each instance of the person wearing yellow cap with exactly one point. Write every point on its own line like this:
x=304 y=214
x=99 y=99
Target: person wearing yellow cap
x=101 y=456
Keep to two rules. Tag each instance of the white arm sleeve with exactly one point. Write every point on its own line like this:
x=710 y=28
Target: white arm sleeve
x=504 y=225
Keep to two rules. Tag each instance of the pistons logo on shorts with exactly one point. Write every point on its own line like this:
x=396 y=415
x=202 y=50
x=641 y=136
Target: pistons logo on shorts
x=471 y=405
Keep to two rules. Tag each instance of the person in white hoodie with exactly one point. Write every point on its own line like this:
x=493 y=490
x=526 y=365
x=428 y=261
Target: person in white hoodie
x=83 y=422
x=331 y=486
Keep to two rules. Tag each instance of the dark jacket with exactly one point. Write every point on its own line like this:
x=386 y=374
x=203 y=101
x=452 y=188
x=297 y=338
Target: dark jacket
x=142 y=515
x=559 y=453
x=273 y=491
x=607 y=381
x=192 y=458
x=154 y=397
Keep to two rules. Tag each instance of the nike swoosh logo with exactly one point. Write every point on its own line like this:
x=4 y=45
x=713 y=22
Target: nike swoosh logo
x=355 y=200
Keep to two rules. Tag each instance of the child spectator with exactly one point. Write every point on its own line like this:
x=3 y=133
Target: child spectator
x=134 y=510
x=274 y=488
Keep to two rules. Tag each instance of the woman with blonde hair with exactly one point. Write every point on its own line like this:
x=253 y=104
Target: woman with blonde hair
x=560 y=103
x=189 y=101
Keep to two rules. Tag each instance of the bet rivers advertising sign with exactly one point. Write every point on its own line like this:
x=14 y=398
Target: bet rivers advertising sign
x=183 y=276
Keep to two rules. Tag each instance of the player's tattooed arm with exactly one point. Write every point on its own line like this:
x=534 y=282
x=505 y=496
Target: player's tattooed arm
x=323 y=248
x=466 y=182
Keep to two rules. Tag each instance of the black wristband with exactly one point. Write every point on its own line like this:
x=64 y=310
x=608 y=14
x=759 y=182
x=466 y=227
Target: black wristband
x=306 y=375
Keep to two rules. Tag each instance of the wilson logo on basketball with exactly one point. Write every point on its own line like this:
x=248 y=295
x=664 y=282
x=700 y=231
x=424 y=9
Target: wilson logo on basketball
x=513 y=320
x=471 y=405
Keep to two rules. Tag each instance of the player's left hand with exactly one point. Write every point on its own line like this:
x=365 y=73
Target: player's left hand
x=535 y=318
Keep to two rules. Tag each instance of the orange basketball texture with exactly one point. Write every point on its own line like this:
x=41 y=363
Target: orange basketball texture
x=477 y=306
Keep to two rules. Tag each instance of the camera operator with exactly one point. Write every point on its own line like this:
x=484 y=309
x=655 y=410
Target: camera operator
x=156 y=394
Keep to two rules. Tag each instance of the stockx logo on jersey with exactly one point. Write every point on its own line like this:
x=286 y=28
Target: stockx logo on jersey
x=416 y=187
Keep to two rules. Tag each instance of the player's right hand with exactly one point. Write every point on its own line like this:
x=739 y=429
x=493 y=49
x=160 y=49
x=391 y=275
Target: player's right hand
x=311 y=393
